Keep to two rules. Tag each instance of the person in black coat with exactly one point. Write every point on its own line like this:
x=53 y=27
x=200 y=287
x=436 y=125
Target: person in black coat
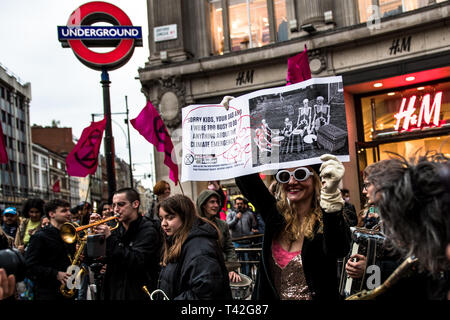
x=305 y=232
x=48 y=256
x=193 y=266
x=132 y=250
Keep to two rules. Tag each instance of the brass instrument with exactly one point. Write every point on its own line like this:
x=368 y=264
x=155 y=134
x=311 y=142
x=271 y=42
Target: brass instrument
x=401 y=271
x=70 y=233
x=151 y=295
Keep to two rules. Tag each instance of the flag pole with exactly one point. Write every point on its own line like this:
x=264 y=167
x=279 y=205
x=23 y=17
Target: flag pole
x=182 y=191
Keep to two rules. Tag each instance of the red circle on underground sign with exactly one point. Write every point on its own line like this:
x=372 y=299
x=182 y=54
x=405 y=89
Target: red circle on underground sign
x=99 y=11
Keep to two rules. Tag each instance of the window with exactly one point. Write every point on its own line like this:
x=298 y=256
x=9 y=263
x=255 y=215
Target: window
x=58 y=165
x=44 y=179
x=4 y=116
x=379 y=110
x=370 y=9
x=35 y=159
x=247 y=23
x=44 y=162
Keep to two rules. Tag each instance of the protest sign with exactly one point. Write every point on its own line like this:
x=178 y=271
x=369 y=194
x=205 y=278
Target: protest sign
x=267 y=129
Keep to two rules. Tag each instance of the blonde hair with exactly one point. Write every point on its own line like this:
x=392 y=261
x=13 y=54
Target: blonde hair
x=295 y=226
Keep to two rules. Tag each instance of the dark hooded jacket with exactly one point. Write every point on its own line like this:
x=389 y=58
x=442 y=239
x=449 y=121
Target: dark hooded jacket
x=199 y=272
x=132 y=260
x=226 y=245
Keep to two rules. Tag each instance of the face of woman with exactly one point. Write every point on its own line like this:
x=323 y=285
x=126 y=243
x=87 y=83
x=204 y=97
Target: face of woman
x=170 y=223
x=298 y=191
x=35 y=214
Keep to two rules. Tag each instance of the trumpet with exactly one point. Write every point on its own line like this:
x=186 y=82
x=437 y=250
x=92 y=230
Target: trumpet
x=70 y=232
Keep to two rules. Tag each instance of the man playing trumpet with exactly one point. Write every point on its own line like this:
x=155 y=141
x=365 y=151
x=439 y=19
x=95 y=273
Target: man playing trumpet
x=132 y=250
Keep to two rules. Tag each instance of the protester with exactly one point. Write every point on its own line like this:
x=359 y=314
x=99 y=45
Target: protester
x=413 y=197
x=215 y=186
x=85 y=210
x=105 y=209
x=132 y=250
x=242 y=223
x=10 y=222
x=193 y=267
x=162 y=191
x=349 y=209
x=208 y=206
x=33 y=212
x=48 y=256
x=305 y=232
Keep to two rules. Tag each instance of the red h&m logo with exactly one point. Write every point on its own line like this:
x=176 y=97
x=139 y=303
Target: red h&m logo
x=426 y=112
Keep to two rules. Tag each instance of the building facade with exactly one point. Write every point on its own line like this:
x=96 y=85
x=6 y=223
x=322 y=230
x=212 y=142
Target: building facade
x=15 y=97
x=394 y=58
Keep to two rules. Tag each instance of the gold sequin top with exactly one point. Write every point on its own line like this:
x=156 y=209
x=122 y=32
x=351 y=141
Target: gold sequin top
x=290 y=281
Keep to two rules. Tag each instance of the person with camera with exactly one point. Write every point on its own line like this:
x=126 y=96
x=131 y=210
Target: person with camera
x=48 y=256
x=132 y=250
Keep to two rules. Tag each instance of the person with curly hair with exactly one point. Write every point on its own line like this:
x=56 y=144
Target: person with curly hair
x=33 y=214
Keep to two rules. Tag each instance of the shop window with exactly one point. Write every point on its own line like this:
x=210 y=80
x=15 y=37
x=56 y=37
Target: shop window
x=406 y=111
x=372 y=9
x=248 y=23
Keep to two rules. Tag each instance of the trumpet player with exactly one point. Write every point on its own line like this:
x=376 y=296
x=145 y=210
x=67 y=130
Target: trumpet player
x=132 y=250
x=48 y=256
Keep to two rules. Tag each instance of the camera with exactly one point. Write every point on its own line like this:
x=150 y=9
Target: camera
x=13 y=262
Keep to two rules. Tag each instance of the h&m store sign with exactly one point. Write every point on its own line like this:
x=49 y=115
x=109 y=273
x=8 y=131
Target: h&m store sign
x=428 y=115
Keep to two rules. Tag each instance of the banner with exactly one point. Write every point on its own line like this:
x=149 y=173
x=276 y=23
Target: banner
x=3 y=152
x=268 y=129
x=83 y=159
x=152 y=128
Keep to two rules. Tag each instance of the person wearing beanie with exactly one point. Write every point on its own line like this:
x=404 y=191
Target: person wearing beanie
x=208 y=206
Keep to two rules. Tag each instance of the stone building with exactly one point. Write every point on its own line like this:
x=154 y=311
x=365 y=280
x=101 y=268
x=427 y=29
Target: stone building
x=389 y=54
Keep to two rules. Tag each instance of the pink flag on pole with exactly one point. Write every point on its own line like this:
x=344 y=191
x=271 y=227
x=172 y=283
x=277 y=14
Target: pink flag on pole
x=3 y=153
x=298 y=68
x=83 y=159
x=152 y=128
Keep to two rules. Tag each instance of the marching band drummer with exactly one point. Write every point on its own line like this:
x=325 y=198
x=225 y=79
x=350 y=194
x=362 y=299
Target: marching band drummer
x=305 y=231
x=132 y=250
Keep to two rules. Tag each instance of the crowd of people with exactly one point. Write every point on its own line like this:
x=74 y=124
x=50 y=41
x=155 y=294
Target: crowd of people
x=196 y=250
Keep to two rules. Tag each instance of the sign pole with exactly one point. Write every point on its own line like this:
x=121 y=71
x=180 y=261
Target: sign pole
x=109 y=150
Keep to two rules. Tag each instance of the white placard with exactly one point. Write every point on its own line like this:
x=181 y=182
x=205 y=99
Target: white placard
x=264 y=130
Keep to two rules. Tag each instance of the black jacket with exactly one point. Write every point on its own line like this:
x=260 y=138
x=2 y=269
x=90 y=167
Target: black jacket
x=47 y=254
x=319 y=255
x=132 y=258
x=199 y=273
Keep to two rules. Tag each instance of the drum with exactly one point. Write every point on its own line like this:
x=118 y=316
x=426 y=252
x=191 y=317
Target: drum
x=241 y=290
x=310 y=138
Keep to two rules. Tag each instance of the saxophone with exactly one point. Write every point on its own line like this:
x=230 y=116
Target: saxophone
x=76 y=272
x=401 y=271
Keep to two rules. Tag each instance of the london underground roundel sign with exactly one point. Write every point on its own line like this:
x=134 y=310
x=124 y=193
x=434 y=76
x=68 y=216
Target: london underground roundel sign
x=80 y=34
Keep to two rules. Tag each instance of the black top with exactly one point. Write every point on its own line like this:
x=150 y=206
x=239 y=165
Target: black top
x=47 y=254
x=132 y=258
x=199 y=273
x=319 y=255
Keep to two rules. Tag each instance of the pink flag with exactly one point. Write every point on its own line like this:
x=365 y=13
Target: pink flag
x=83 y=159
x=56 y=186
x=298 y=68
x=152 y=128
x=3 y=153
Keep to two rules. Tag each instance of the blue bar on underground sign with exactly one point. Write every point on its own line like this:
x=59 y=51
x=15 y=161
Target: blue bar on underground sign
x=99 y=33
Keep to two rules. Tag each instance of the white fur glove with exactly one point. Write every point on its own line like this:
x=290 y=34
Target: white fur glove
x=331 y=173
x=225 y=101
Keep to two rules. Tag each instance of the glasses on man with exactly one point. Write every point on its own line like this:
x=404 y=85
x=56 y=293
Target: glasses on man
x=299 y=174
x=366 y=185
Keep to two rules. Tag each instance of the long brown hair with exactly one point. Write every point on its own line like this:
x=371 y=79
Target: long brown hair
x=183 y=207
x=294 y=225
